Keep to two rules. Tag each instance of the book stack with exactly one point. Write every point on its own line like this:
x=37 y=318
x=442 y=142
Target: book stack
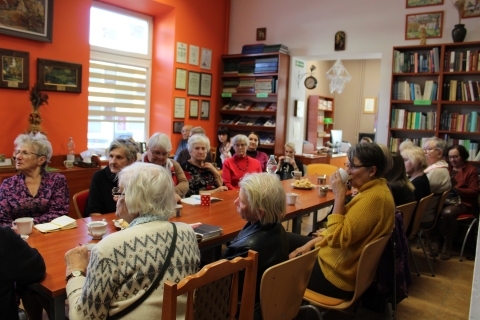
x=231 y=66
x=246 y=85
x=276 y=48
x=264 y=85
x=246 y=67
x=253 y=48
x=266 y=65
x=230 y=85
x=207 y=231
x=60 y=223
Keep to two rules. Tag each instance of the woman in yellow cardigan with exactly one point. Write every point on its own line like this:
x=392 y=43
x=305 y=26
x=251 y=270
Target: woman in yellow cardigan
x=367 y=217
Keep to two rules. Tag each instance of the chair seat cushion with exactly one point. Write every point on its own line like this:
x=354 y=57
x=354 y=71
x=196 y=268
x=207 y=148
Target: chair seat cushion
x=465 y=216
x=315 y=297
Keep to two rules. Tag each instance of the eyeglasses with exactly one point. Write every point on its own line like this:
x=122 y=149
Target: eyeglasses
x=428 y=149
x=23 y=153
x=158 y=153
x=354 y=167
x=453 y=157
x=116 y=192
x=240 y=145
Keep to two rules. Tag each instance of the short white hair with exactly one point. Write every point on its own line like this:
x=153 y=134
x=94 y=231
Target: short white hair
x=38 y=142
x=196 y=139
x=148 y=189
x=160 y=140
x=290 y=145
x=240 y=138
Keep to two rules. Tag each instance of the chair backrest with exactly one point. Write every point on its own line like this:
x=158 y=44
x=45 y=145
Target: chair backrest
x=283 y=286
x=419 y=211
x=213 y=151
x=407 y=212
x=321 y=169
x=441 y=202
x=80 y=201
x=210 y=273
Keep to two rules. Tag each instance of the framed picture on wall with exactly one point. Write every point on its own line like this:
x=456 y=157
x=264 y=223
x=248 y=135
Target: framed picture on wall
x=181 y=79
x=471 y=10
x=429 y=22
x=181 y=52
x=15 y=72
x=179 y=108
x=206 y=84
x=193 y=55
x=177 y=126
x=24 y=23
x=423 y=3
x=59 y=76
x=370 y=105
x=205 y=115
x=206 y=62
x=193 y=83
x=193 y=109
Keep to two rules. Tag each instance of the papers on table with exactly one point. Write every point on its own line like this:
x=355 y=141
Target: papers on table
x=195 y=200
x=207 y=231
x=60 y=223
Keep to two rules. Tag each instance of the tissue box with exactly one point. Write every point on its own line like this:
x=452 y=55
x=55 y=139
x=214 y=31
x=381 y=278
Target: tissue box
x=81 y=164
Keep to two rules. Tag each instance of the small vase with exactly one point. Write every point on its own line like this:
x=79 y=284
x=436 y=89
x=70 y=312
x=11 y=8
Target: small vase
x=459 y=33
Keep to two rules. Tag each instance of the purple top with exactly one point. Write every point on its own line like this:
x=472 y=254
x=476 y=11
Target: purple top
x=52 y=199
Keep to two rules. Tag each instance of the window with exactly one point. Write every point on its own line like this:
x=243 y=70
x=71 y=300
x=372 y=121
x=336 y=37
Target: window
x=119 y=76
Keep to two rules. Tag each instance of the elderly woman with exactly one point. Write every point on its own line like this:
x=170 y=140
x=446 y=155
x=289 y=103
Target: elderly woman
x=438 y=176
x=34 y=192
x=400 y=185
x=415 y=163
x=121 y=153
x=254 y=141
x=224 y=148
x=130 y=265
x=159 y=147
x=465 y=185
x=349 y=228
x=261 y=202
x=236 y=167
x=201 y=175
x=289 y=157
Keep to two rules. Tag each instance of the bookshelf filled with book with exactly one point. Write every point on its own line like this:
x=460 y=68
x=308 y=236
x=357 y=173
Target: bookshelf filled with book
x=435 y=92
x=320 y=119
x=254 y=97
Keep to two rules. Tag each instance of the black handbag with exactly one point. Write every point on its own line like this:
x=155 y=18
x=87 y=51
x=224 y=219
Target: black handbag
x=285 y=171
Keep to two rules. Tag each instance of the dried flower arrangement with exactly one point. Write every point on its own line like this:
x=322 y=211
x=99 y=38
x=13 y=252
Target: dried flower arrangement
x=37 y=99
x=460 y=6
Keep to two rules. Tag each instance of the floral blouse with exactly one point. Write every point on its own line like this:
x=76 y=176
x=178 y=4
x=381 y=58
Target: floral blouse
x=51 y=201
x=198 y=178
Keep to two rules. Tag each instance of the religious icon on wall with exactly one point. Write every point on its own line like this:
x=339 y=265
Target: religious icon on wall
x=339 y=41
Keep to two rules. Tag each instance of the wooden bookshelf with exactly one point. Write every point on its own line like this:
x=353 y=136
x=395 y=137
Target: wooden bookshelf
x=319 y=107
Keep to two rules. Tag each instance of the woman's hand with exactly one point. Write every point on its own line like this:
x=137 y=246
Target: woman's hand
x=280 y=160
x=220 y=189
x=178 y=199
x=211 y=167
x=76 y=259
x=317 y=233
x=302 y=250
x=338 y=187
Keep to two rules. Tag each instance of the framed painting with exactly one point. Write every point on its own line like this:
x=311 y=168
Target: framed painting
x=261 y=34
x=177 y=126
x=15 y=69
x=431 y=22
x=27 y=19
x=472 y=9
x=423 y=3
x=205 y=113
x=59 y=76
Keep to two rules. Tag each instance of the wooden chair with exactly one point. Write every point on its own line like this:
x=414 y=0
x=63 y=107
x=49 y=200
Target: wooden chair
x=366 y=269
x=283 y=287
x=211 y=273
x=213 y=151
x=407 y=212
x=471 y=220
x=321 y=169
x=80 y=201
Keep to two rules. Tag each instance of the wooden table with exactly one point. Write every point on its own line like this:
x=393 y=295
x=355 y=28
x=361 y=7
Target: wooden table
x=52 y=246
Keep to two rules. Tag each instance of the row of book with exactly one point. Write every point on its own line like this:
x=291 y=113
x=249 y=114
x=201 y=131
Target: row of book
x=249 y=121
x=251 y=66
x=250 y=85
x=247 y=105
x=456 y=90
x=457 y=61
x=403 y=119
x=325 y=105
x=462 y=122
x=394 y=143
x=261 y=48
x=416 y=62
x=471 y=146
x=403 y=90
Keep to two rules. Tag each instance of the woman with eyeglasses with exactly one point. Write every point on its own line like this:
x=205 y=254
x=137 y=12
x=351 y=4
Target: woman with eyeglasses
x=158 y=151
x=464 y=177
x=34 y=192
x=254 y=141
x=121 y=153
x=236 y=167
x=366 y=218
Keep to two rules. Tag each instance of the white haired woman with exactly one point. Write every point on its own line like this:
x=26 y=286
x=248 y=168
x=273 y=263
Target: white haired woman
x=289 y=157
x=261 y=202
x=123 y=266
x=236 y=167
x=159 y=147
x=34 y=192
x=201 y=175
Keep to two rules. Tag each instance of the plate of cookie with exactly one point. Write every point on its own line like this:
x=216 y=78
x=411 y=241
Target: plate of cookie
x=303 y=184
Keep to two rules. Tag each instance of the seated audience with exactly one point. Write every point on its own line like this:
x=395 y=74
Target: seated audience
x=159 y=147
x=236 y=167
x=367 y=217
x=254 y=141
x=21 y=266
x=224 y=149
x=183 y=143
x=201 y=175
x=397 y=180
x=34 y=192
x=185 y=154
x=124 y=265
x=289 y=157
x=438 y=176
x=261 y=202
x=415 y=163
x=121 y=153
x=465 y=187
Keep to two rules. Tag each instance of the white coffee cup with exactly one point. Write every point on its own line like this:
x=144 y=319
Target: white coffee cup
x=23 y=225
x=291 y=198
x=71 y=157
x=68 y=164
x=344 y=175
x=297 y=175
x=97 y=229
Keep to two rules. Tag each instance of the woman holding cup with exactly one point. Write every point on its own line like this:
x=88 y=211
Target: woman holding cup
x=289 y=158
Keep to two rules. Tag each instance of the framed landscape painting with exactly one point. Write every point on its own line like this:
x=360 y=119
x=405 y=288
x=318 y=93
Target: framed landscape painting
x=432 y=22
x=472 y=9
x=14 y=73
x=31 y=19
x=59 y=76
x=423 y=3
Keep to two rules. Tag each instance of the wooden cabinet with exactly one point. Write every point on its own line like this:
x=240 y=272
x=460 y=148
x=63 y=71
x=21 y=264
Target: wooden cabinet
x=320 y=119
x=260 y=81
x=435 y=92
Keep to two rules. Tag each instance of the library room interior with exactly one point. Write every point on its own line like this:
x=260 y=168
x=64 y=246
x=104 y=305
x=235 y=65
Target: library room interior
x=307 y=82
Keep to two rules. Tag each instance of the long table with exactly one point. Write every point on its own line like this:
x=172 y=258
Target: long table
x=52 y=246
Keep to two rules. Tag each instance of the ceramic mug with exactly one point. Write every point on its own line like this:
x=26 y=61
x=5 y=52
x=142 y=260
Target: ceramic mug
x=68 y=164
x=23 y=225
x=205 y=198
x=291 y=198
x=297 y=175
x=344 y=175
x=97 y=229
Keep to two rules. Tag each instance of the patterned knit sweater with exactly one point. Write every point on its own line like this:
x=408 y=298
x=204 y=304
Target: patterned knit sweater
x=124 y=264
x=368 y=217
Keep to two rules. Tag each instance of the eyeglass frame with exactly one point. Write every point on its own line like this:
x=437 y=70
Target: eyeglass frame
x=244 y=145
x=355 y=167
x=158 y=154
x=24 y=153
x=429 y=149
x=115 y=192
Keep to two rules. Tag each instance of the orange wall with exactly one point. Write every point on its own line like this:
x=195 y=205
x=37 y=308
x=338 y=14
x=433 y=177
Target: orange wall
x=202 y=23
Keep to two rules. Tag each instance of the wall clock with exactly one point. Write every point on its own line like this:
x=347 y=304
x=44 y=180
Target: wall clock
x=310 y=82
